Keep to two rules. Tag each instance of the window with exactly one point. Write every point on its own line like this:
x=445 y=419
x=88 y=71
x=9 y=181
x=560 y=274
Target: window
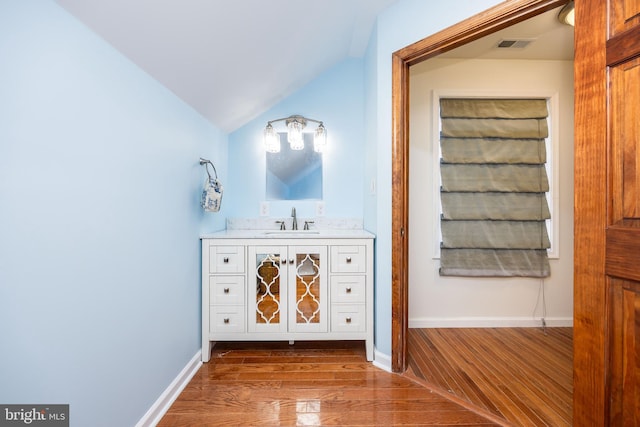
x=494 y=189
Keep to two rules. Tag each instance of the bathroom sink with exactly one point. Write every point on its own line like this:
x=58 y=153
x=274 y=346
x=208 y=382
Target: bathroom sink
x=291 y=232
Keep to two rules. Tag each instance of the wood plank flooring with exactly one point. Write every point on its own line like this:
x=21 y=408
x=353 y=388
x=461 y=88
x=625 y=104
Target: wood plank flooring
x=522 y=375
x=309 y=384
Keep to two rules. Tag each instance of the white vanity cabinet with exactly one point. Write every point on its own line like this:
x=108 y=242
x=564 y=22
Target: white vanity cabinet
x=281 y=287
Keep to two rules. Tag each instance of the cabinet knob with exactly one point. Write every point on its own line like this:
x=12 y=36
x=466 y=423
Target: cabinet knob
x=348 y=319
x=225 y=260
x=292 y=261
x=348 y=290
x=348 y=260
x=226 y=320
x=226 y=290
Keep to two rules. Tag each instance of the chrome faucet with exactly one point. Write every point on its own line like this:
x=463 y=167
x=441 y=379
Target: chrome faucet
x=294 y=225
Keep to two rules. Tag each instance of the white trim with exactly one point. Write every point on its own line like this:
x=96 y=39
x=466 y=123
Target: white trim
x=489 y=322
x=553 y=154
x=171 y=393
x=382 y=361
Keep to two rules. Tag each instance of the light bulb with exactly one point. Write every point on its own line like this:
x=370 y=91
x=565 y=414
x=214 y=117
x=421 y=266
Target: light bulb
x=295 y=135
x=320 y=139
x=271 y=139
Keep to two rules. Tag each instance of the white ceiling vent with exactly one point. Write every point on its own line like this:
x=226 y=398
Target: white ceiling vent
x=514 y=43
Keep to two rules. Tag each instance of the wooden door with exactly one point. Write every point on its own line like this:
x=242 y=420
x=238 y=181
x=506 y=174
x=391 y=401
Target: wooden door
x=607 y=213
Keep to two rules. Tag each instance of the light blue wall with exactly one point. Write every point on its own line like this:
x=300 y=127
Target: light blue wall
x=337 y=98
x=400 y=25
x=99 y=221
x=99 y=191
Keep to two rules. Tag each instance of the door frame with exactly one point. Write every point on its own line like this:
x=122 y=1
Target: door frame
x=501 y=16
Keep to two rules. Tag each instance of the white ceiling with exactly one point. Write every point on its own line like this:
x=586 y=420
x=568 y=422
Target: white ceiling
x=550 y=40
x=231 y=60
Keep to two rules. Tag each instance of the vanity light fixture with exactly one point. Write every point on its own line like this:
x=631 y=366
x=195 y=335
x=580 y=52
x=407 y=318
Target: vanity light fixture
x=295 y=125
x=567 y=14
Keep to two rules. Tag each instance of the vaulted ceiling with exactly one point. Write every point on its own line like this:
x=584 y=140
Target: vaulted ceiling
x=231 y=60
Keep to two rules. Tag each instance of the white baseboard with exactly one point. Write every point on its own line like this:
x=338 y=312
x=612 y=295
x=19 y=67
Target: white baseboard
x=171 y=393
x=382 y=361
x=490 y=322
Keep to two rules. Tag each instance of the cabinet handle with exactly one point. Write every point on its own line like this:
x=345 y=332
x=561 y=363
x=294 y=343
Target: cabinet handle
x=348 y=319
x=226 y=320
x=226 y=290
x=292 y=261
x=225 y=260
x=348 y=260
x=349 y=290
x=284 y=261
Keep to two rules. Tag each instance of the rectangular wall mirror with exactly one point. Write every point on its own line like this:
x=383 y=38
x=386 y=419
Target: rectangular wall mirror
x=294 y=174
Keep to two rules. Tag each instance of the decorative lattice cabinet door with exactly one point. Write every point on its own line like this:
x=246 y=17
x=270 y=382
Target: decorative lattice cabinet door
x=289 y=289
x=308 y=289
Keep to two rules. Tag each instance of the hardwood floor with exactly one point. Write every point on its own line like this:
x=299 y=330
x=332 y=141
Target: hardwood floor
x=456 y=377
x=519 y=374
x=309 y=384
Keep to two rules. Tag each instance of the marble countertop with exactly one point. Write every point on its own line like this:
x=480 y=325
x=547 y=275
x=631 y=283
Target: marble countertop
x=289 y=234
x=267 y=228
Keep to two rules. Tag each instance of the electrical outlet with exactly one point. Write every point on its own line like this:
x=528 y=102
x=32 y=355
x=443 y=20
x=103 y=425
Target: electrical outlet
x=320 y=209
x=264 y=209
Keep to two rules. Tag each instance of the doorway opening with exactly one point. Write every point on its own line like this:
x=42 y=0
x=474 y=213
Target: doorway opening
x=495 y=19
x=440 y=45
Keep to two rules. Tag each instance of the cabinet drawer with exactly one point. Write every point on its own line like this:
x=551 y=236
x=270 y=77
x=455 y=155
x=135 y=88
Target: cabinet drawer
x=349 y=289
x=348 y=259
x=226 y=290
x=348 y=318
x=226 y=319
x=226 y=259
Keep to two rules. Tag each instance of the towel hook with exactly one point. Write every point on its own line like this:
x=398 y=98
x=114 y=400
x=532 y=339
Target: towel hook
x=206 y=164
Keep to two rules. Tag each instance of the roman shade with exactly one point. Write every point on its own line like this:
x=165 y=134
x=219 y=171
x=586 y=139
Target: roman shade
x=493 y=185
